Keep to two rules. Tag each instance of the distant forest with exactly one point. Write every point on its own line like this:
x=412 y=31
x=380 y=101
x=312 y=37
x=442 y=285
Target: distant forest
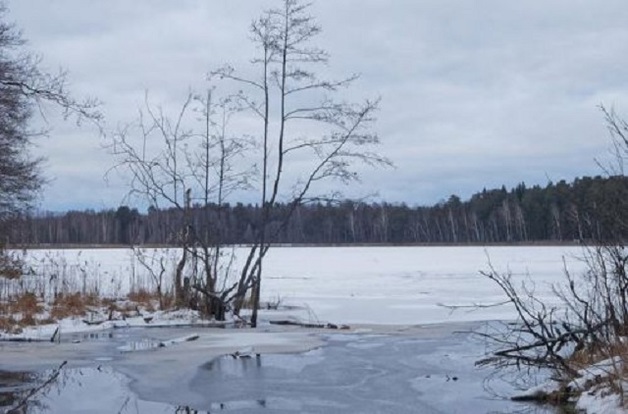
x=579 y=211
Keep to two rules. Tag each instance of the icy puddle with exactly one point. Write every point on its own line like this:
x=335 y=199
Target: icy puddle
x=351 y=373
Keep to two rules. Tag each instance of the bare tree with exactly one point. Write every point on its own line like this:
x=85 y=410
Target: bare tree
x=179 y=162
x=618 y=130
x=299 y=121
x=25 y=88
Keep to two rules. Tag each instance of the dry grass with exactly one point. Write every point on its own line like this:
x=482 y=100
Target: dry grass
x=10 y=267
x=144 y=298
x=613 y=380
x=20 y=311
x=27 y=304
x=150 y=301
x=609 y=381
x=593 y=354
x=29 y=309
x=10 y=324
x=57 y=289
x=73 y=304
x=167 y=301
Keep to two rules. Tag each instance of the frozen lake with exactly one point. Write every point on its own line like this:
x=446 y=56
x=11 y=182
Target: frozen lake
x=361 y=285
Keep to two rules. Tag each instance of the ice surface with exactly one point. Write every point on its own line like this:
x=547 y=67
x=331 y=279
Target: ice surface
x=364 y=285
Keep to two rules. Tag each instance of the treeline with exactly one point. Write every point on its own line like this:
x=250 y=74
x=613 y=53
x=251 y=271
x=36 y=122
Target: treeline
x=587 y=209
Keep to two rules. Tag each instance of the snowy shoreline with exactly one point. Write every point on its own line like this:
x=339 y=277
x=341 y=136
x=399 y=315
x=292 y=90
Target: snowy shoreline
x=542 y=243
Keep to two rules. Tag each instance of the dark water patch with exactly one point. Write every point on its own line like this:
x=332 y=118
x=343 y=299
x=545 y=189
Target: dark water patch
x=13 y=388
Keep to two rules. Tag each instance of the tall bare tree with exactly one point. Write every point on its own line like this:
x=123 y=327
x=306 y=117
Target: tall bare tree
x=300 y=122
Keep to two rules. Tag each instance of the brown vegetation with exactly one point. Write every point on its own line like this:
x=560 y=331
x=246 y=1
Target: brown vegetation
x=20 y=311
x=27 y=309
x=586 y=333
x=73 y=304
x=151 y=300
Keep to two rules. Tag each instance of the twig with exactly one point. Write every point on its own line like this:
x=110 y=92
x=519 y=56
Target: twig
x=474 y=306
x=34 y=391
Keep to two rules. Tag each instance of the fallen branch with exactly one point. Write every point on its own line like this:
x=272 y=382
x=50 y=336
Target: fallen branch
x=310 y=325
x=96 y=322
x=175 y=341
x=474 y=306
x=56 y=334
x=516 y=352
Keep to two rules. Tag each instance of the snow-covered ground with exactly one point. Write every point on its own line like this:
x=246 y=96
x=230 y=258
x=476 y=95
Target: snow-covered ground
x=408 y=285
x=596 y=396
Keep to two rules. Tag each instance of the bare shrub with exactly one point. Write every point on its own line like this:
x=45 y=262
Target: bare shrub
x=587 y=330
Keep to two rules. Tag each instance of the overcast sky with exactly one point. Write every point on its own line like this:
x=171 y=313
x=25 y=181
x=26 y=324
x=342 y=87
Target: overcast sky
x=474 y=94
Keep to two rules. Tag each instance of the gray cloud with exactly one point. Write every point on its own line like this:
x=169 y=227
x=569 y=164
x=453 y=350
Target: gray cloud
x=475 y=94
